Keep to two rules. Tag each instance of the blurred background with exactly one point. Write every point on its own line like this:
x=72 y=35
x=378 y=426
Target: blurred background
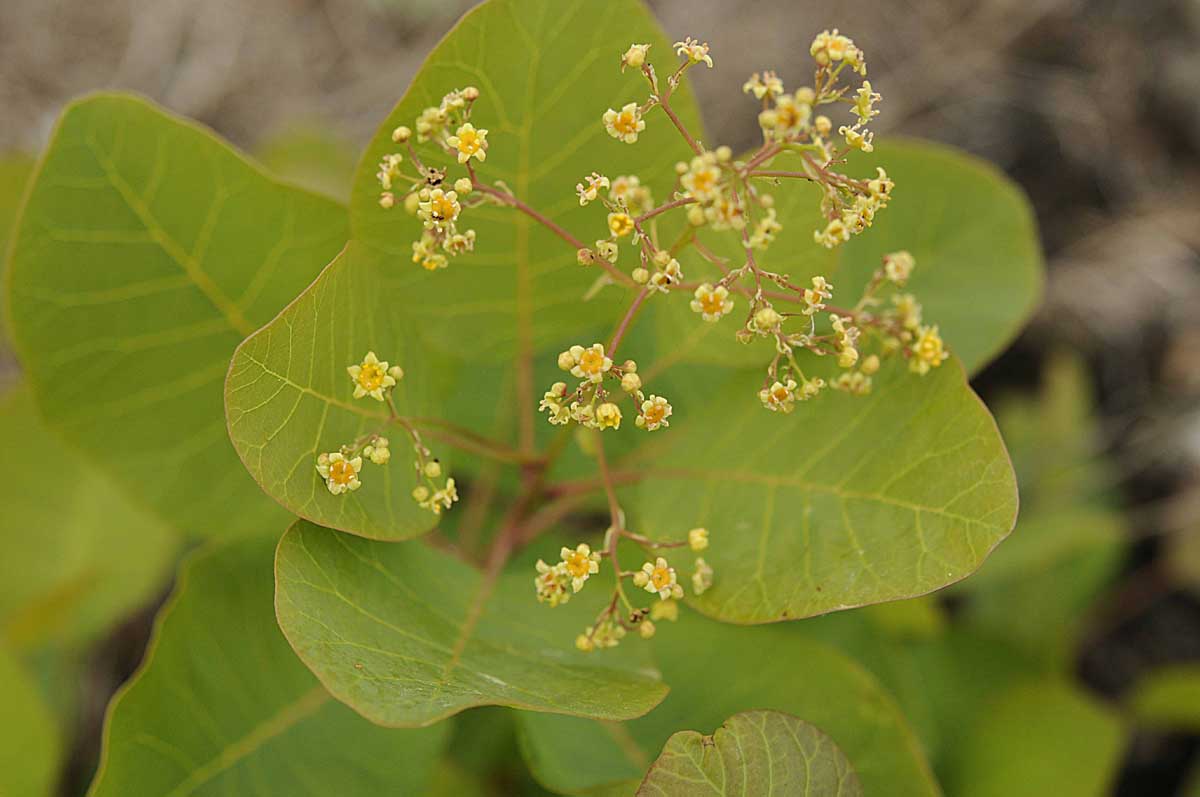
x=1093 y=106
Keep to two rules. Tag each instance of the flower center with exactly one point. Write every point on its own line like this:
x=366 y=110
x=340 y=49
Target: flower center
x=780 y=394
x=370 y=377
x=468 y=141
x=660 y=578
x=711 y=303
x=591 y=362
x=577 y=565
x=341 y=472
x=625 y=122
x=654 y=414
x=443 y=208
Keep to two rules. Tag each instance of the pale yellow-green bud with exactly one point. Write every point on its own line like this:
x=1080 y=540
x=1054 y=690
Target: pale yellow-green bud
x=662 y=257
x=401 y=134
x=805 y=95
x=767 y=318
x=463 y=185
x=631 y=382
x=695 y=216
x=646 y=629
x=432 y=469
x=387 y=199
x=470 y=93
x=420 y=493
x=411 y=203
x=724 y=153
x=823 y=125
x=584 y=257
x=870 y=365
x=682 y=168
x=566 y=361
x=641 y=276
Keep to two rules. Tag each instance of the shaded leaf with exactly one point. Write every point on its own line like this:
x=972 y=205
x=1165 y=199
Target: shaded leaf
x=30 y=743
x=753 y=753
x=312 y=158
x=407 y=635
x=221 y=705
x=1041 y=739
x=547 y=71
x=1169 y=698
x=78 y=554
x=146 y=250
x=715 y=670
x=847 y=501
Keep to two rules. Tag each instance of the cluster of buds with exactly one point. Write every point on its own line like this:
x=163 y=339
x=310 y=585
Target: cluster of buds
x=624 y=197
x=376 y=379
x=429 y=193
x=555 y=584
x=590 y=403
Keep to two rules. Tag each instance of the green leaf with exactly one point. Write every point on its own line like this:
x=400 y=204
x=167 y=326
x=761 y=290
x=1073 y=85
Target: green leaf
x=847 y=501
x=311 y=157
x=14 y=175
x=288 y=398
x=715 y=670
x=970 y=228
x=752 y=753
x=30 y=743
x=146 y=251
x=222 y=706
x=78 y=555
x=547 y=71
x=1040 y=739
x=1169 y=698
x=407 y=635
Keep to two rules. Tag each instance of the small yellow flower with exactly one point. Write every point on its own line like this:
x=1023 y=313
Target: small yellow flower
x=654 y=414
x=591 y=186
x=703 y=178
x=579 y=564
x=765 y=230
x=667 y=274
x=551 y=584
x=634 y=57
x=696 y=52
x=371 y=377
x=625 y=124
x=928 y=351
x=831 y=47
x=607 y=250
x=789 y=115
x=552 y=402
x=470 y=143
x=340 y=474
x=814 y=297
x=726 y=213
x=659 y=578
x=620 y=224
x=432 y=469
x=584 y=642
x=401 y=134
x=607 y=635
x=628 y=189
x=835 y=232
x=702 y=577
x=864 y=103
x=858 y=138
x=664 y=610
x=459 y=243
x=698 y=539
x=779 y=397
x=590 y=363
x=766 y=320
x=608 y=416
x=908 y=310
x=389 y=169
x=440 y=209
x=438 y=500
x=711 y=303
x=387 y=200
x=898 y=267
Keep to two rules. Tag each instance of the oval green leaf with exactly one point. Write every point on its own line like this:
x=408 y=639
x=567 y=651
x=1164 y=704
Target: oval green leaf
x=753 y=754
x=407 y=635
x=221 y=705
x=716 y=670
x=845 y=502
x=31 y=744
x=146 y=250
x=547 y=70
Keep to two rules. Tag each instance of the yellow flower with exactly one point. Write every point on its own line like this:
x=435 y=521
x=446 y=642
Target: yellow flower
x=908 y=310
x=552 y=402
x=470 y=143
x=928 y=352
x=779 y=397
x=702 y=577
x=628 y=188
x=459 y=243
x=590 y=363
x=340 y=474
x=371 y=377
x=789 y=115
x=725 y=213
x=579 y=564
x=551 y=584
x=814 y=297
x=830 y=48
x=438 y=500
x=711 y=303
x=858 y=138
x=389 y=169
x=620 y=224
x=625 y=124
x=703 y=178
x=654 y=414
x=898 y=266
x=698 y=539
x=440 y=209
x=658 y=578
x=864 y=103
x=608 y=416
x=696 y=52
x=590 y=188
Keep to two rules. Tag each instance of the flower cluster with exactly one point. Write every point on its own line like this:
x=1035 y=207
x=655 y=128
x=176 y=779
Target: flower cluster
x=555 y=584
x=376 y=379
x=592 y=405
x=429 y=193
